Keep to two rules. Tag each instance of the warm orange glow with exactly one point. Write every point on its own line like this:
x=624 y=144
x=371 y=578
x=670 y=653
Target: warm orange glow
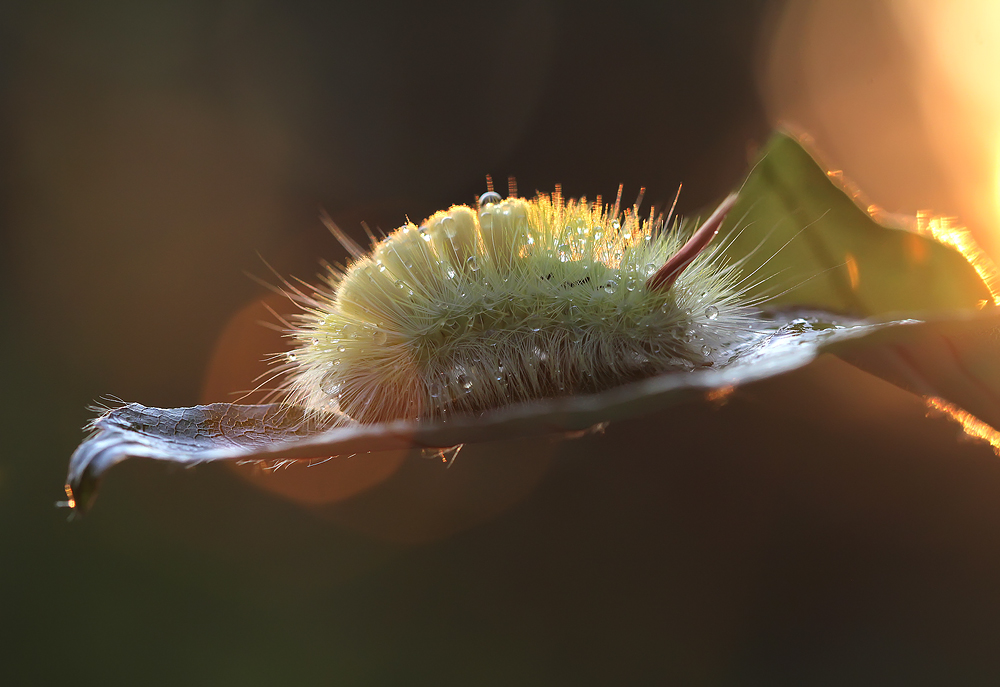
x=70 y=501
x=971 y=424
x=720 y=395
x=949 y=232
x=905 y=96
x=852 y=270
x=240 y=363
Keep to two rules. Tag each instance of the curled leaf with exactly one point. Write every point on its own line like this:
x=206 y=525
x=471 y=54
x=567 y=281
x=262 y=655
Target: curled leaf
x=228 y=432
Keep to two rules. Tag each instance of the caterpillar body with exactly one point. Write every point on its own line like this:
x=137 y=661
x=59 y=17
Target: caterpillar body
x=511 y=301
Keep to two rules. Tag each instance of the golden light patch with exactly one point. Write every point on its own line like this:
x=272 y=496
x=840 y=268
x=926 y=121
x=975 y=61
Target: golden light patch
x=971 y=424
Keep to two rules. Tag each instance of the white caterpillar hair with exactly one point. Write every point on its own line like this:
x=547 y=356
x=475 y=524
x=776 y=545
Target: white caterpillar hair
x=515 y=300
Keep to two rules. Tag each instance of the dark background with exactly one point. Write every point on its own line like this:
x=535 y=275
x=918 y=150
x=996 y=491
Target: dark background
x=815 y=529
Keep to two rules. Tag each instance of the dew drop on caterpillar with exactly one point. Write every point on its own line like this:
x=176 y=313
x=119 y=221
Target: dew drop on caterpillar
x=512 y=301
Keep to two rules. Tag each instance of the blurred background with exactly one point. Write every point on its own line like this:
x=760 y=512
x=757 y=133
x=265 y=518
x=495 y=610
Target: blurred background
x=815 y=529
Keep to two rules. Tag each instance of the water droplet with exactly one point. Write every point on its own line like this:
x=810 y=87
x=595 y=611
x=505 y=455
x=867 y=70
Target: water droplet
x=291 y=357
x=711 y=312
x=706 y=350
x=450 y=272
x=408 y=264
x=449 y=227
x=531 y=241
x=329 y=385
x=336 y=361
x=666 y=309
x=342 y=348
x=472 y=263
x=424 y=234
x=630 y=284
x=381 y=267
x=315 y=341
x=465 y=383
x=489 y=198
x=611 y=286
x=615 y=224
x=649 y=270
x=690 y=335
x=379 y=337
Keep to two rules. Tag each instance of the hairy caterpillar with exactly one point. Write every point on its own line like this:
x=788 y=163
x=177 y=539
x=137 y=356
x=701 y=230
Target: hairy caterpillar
x=512 y=301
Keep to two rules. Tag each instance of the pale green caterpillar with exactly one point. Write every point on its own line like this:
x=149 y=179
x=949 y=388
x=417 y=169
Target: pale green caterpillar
x=513 y=301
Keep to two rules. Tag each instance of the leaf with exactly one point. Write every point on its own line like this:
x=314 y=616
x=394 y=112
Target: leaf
x=809 y=239
x=224 y=432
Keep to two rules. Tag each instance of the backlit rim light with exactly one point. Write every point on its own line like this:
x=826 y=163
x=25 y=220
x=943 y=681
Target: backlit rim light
x=971 y=425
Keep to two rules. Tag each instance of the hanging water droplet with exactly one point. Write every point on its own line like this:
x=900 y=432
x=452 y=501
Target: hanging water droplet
x=472 y=263
x=449 y=227
x=711 y=312
x=379 y=337
x=611 y=286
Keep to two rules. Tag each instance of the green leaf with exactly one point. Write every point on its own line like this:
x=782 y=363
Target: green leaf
x=799 y=233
